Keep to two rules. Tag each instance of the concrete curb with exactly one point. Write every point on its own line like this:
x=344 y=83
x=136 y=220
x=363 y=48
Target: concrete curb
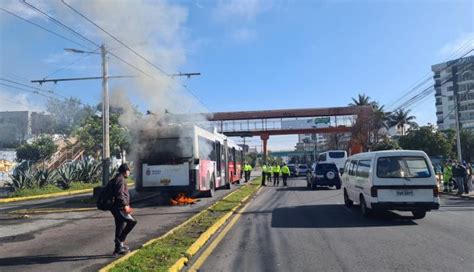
x=183 y=260
x=46 y=196
x=206 y=236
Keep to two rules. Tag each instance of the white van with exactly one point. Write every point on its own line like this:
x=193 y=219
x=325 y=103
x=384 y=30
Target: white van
x=401 y=180
x=337 y=157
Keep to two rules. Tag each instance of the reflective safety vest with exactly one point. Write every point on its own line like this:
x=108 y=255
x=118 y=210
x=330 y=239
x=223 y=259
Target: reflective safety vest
x=276 y=169
x=247 y=167
x=285 y=170
x=447 y=173
x=269 y=170
x=264 y=168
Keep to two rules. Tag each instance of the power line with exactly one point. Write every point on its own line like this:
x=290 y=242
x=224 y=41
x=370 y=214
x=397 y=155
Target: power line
x=82 y=36
x=424 y=79
x=35 y=88
x=35 y=92
x=43 y=28
x=115 y=38
x=57 y=22
x=132 y=50
x=425 y=93
x=72 y=63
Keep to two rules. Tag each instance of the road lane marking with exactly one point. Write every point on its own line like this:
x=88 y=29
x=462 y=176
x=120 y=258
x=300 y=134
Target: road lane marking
x=208 y=251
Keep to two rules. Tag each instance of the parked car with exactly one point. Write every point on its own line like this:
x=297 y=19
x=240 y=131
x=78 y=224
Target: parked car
x=301 y=170
x=401 y=180
x=324 y=174
x=292 y=168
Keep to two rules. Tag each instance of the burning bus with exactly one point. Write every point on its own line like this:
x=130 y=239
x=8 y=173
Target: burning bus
x=187 y=159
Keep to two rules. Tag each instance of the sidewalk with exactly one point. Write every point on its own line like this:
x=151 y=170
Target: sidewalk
x=468 y=196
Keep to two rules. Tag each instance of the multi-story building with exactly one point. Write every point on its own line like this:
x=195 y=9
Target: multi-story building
x=310 y=142
x=451 y=78
x=18 y=126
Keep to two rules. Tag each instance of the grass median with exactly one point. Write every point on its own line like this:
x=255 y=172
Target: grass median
x=163 y=253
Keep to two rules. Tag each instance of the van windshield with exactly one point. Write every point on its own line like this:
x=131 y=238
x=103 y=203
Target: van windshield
x=402 y=167
x=337 y=155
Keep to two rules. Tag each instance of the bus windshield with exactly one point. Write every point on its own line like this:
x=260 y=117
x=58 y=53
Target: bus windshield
x=169 y=149
x=337 y=154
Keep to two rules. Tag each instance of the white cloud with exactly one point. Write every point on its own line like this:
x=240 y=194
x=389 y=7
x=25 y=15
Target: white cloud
x=18 y=102
x=239 y=17
x=246 y=10
x=462 y=44
x=17 y=7
x=243 y=35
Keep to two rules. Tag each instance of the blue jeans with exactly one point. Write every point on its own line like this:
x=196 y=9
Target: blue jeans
x=460 y=183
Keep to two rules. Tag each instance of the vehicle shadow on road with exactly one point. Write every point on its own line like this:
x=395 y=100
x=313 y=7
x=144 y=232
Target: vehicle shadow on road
x=333 y=216
x=46 y=259
x=303 y=188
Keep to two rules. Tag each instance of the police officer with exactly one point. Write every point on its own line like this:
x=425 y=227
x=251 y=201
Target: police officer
x=285 y=172
x=447 y=176
x=269 y=173
x=276 y=174
x=264 y=173
x=247 y=170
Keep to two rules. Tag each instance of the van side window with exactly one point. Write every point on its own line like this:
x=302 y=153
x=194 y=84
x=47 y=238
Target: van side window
x=352 y=168
x=363 y=169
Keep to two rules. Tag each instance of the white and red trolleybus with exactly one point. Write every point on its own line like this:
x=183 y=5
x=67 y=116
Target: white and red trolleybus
x=187 y=159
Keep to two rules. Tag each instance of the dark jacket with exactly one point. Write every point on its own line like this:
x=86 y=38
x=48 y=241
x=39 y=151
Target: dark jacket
x=120 y=191
x=459 y=171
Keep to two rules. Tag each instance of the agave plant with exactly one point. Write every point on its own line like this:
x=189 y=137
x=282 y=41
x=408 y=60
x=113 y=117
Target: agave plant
x=45 y=177
x=67 y=174
x=22 y=179
x=88 y=171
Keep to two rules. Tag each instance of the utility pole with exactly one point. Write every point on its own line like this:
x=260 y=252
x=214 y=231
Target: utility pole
x=105 y=118
x=456 y=105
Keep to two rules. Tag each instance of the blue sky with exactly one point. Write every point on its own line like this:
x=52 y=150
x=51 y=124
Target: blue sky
x=253 y=55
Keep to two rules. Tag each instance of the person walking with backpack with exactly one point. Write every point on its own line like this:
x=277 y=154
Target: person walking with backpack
x=121 y=210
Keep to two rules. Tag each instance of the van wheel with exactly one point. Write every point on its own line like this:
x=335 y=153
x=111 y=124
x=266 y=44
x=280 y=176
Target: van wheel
x=363 y=207
x=347 y=201
x=418 y=214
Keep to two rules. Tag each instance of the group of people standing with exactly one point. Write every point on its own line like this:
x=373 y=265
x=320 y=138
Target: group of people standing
x=276 y=171
x=457 y=175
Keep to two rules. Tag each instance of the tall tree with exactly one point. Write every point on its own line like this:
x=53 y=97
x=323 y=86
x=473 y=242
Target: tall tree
x=89 y=136
x=68 y=114
x=428 y=139
x=361 y=100
x=400 y=119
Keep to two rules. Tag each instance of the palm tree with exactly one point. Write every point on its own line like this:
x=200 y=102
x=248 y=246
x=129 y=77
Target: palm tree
x=401 y=118
x=362 y=100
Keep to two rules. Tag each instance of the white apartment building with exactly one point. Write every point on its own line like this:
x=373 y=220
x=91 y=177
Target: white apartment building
x=450 y=77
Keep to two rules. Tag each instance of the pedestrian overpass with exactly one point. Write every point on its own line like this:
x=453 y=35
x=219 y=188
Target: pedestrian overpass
x=289 y=121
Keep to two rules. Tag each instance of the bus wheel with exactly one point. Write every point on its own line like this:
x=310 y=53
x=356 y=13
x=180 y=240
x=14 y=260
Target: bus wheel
x=226 y=186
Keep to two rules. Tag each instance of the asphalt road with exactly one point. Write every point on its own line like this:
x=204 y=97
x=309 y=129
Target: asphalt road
x=79 y=241
x=294 y=229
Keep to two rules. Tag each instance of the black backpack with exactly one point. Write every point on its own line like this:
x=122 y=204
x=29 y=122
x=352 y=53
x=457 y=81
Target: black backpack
x=106 y=199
